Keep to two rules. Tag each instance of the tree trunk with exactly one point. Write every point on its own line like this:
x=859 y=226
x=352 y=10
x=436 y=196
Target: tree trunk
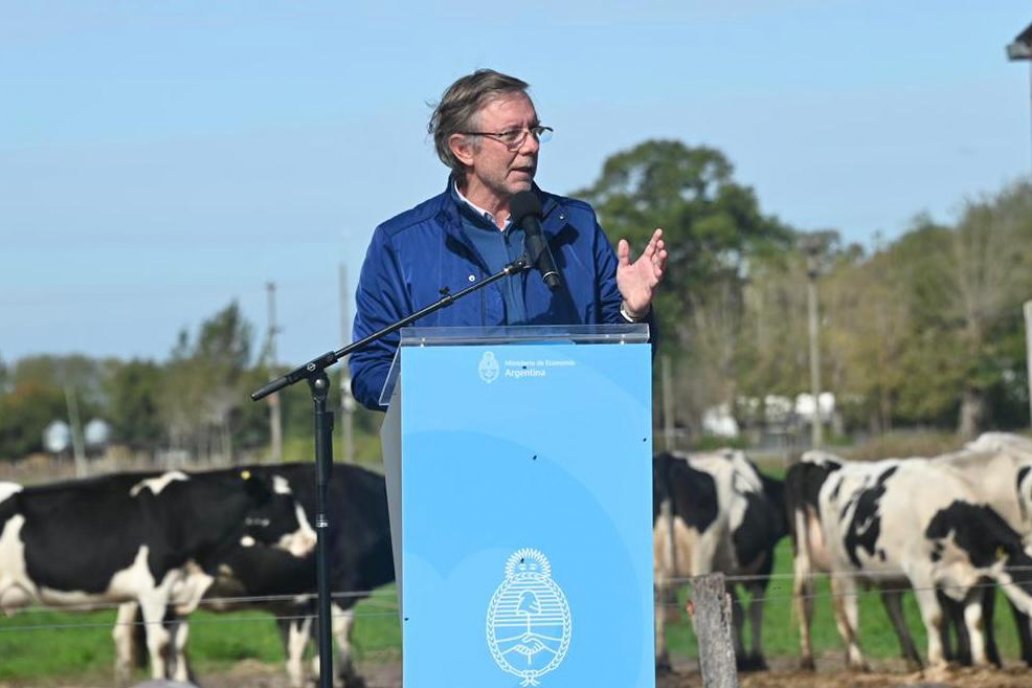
x=227 y=442
x=972 y=412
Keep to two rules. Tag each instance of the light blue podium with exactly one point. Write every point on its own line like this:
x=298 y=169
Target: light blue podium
x=519 y=480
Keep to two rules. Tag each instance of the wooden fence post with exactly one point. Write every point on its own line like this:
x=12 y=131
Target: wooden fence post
x=713 y=629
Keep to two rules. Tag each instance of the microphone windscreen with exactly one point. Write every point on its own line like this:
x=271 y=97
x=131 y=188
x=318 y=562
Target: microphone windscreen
x=524 y=204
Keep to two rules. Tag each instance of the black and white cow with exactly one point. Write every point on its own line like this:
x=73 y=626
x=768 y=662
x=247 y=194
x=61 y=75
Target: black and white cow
x=360 y=561
x=715 y=512
x=998 y=468
x=150 y=538
x=891 y=523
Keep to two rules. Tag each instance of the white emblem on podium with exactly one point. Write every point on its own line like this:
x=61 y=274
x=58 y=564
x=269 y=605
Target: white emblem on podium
x=528 y=621
x=488 y=367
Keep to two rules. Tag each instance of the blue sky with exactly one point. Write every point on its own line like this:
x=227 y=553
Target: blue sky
x=161 y=159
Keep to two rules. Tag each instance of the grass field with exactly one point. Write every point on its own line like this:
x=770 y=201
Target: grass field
x=39 y=643
x=44 y=643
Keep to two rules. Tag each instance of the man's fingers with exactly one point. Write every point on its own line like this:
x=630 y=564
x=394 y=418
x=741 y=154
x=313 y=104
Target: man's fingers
x=623 y=252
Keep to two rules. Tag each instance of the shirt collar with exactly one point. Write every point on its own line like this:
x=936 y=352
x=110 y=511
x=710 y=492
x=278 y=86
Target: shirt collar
x=480 y=212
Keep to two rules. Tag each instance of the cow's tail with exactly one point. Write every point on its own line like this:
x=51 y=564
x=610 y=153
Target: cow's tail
x=793 y=502
x=795 y=523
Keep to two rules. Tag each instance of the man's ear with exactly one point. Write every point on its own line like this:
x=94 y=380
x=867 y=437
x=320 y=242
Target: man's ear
x=462 y=148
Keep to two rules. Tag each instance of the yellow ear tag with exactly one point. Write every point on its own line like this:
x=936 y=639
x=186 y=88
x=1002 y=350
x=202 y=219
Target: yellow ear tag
x=246 y=475
x=1001 y=553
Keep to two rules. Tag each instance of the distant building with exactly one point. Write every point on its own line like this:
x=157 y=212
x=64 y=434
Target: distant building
x=57 y=437
x=97 y=434
x=717 y=421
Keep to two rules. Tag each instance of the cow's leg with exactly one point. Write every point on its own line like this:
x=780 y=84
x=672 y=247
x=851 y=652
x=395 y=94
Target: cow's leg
x=122 y=634
x=294 y=633
x=179 y=631
x=931 y=614
x=343 y=626
x=953 y=625
x=973 y=622
x=847 y=618
x=892 y=598
x=802 y=595
x=662 y=572
x=153 y=610
x=992 y=650
x=662 y=591
x=757 y=592
x=738 y=627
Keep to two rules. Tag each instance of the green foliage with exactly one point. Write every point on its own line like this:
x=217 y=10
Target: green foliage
x=924 y=331
x=134 y=392
x=713 y=228
x=5 y=376
x=24 y=413
x=206 y=385
x=84 y=375
x=712 y=224
x=963 y=287
x=927 y=331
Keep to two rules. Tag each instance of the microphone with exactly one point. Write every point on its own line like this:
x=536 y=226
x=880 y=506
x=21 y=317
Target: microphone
x=526 y=213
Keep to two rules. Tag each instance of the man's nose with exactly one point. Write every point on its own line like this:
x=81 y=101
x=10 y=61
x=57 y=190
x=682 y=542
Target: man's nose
x=530 y=145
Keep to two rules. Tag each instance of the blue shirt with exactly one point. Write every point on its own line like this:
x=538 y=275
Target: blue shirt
x=497 y=248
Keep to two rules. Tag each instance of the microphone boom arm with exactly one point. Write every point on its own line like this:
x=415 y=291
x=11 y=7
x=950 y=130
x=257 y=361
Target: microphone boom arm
x=305 y=371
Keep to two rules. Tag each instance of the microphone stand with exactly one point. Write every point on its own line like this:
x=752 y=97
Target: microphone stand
x=314 y=372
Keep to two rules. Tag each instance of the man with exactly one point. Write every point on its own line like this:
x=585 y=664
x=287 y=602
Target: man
x=487 y=132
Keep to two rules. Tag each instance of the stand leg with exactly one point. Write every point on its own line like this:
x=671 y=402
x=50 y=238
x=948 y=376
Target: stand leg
x=319 y=383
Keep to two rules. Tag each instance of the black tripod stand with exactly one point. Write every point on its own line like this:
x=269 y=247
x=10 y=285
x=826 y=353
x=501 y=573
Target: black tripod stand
x=314 y=372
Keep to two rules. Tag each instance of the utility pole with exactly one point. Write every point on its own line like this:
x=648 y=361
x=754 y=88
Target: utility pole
x=347 y=402
x=275 y=414
x=812 y=270
x=78 y=448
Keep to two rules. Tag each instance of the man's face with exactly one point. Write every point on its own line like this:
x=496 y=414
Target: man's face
x=497 y=171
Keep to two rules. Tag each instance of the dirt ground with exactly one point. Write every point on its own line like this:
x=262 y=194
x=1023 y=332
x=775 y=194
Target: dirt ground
x=389 y=676
x=253 y=674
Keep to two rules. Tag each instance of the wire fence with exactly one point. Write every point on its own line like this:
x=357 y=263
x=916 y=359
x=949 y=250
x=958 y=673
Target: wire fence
x=383 y=603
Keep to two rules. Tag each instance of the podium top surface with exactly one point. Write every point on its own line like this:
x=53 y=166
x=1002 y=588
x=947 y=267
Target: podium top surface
x=630 y=333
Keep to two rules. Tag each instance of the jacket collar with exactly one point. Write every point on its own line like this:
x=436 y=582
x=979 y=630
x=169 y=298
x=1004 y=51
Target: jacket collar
x=453 y=223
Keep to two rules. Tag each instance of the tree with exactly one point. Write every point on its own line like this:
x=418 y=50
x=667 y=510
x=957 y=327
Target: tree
x=25 y=412
x=967 y=283
x=867 y=330
x=206 y=384
x=714 y=229
x=134 y=392
x=223 y=354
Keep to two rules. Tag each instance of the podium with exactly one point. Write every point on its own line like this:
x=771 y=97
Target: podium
x=519 y=481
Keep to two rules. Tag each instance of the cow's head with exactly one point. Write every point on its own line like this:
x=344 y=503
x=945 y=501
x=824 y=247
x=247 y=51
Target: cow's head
x=277 y=519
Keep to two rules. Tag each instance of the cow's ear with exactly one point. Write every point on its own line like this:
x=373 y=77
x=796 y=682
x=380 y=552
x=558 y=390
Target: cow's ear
x=255 y=486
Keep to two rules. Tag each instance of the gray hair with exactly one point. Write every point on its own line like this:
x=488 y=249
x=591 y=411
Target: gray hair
x=460 y=104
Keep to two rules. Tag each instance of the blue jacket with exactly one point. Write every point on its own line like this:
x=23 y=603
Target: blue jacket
x=416 y=254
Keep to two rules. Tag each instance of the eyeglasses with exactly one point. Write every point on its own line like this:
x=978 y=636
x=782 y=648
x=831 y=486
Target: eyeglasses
x=514 y=138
